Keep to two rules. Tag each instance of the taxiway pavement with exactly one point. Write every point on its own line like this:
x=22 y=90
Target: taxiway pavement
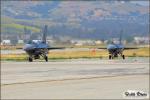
x=74 y=79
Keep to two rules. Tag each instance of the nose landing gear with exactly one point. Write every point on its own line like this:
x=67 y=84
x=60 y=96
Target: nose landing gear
x=30 y=59
x=123 y=56
x=110 y=57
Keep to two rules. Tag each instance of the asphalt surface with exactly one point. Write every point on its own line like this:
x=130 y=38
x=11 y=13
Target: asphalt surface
x=74 y=79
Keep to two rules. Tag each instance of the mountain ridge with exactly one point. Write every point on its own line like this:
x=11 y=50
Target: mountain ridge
x=78 y=19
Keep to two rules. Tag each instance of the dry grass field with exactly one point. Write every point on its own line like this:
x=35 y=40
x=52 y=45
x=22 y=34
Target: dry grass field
x=142 y=52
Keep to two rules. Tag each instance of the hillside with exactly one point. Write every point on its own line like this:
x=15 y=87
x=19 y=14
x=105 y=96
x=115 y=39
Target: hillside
x=76 y=19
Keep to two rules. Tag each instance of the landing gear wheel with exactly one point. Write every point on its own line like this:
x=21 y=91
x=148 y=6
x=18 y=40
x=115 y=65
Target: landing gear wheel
x=46 y=58
x=30 y=59
x=109 y=56
x=123 y=56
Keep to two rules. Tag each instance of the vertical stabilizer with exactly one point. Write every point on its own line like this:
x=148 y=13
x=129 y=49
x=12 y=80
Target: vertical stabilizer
x=44 y=34
x=120 y=38
x=27 y=35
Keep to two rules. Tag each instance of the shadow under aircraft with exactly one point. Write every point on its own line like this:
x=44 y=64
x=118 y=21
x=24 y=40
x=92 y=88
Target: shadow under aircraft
x=115 y=49
x=38 y=49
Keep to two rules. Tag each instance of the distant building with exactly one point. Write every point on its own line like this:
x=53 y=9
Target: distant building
x=50 y=41
x=106 y=41
x=6 y=42
x=141 y=40
x=83 y=42
x=36 y=41
x=78 y=44
x=20 y=41
x=98 y=42
x=117 y=41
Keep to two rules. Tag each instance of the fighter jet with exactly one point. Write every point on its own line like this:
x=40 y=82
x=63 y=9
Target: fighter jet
x=115 y=49
x=38 y=49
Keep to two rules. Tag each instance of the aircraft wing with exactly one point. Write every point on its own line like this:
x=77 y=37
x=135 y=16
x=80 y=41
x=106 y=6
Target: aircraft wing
x=129 y=48
x=51 y=48
x=102 y=48
x=126 y=48
x=18 y=48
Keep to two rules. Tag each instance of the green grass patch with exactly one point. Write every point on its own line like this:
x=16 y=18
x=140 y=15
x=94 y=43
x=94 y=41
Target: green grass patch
x=20 y=27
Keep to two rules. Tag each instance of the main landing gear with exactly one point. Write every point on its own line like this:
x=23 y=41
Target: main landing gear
x=30 y=59
x=46 y=58
x=111 y=57
x=123 y=56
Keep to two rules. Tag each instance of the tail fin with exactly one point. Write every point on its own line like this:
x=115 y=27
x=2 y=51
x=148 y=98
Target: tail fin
x=27 y=35
x=44 y=34
x=120 y=38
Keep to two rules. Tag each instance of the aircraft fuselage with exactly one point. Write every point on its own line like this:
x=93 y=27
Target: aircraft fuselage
x=35 y=50
x=115 y=50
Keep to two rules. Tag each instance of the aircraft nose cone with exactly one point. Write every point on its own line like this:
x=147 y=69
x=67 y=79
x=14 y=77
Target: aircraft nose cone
x=111 y=46
x=28 y=47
